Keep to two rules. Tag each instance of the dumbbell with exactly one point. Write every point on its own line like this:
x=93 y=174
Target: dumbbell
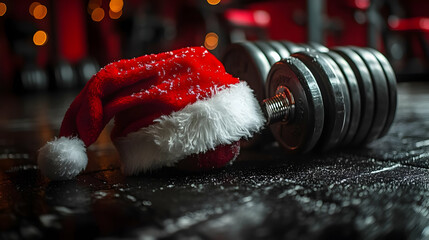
x=327 y=99
x=62 y=76
x=251 y=61
x=85 y=69
x=381 y=81
x=247 y=61
x=31 y=78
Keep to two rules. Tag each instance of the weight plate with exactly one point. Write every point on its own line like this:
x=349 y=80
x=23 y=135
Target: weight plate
x=332 y=95
x=318 y=47
x=246 y=62
x=268 y=51
x=353 y=88
x=280 y=49
x=85 y=69
x=379 y=83
x=306 y=47
x=392 y=90
x=365 y=89
x=302 y=132
x=64 y=75
x=292 y=47
x=346 y=95
x=32 y=79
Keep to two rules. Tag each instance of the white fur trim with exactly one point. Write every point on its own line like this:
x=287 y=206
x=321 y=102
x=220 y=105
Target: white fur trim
x=63 y=158
x=229 y=115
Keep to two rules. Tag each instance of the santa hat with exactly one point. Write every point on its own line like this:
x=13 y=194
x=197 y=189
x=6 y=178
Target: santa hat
x=167 y=107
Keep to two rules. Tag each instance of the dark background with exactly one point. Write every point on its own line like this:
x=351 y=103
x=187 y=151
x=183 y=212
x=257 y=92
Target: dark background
x=397 y=28
x=376 y=191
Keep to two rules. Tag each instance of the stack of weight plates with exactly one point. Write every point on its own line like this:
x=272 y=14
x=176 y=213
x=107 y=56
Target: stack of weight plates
x=345 y=96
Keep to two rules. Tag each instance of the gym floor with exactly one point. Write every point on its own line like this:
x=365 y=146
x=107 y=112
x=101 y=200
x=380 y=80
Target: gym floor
x=379 y=191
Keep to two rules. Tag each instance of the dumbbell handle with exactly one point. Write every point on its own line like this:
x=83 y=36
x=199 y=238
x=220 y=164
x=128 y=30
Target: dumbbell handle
x=280 y=107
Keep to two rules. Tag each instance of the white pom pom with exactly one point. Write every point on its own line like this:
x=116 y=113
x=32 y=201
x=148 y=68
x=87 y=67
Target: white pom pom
x=63 y=158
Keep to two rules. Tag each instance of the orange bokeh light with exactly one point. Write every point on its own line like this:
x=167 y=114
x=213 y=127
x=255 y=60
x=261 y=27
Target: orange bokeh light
x=211 y=41
x=116 y=5
x=40 y=11
x=97 y=15
x=40 y=38
x=115 y=15
x=33 y=5
x=213 y=2
x=3 y=9
x=93 y=4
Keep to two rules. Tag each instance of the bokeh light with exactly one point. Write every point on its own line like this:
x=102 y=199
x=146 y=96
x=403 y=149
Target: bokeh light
x=97 y=15
x=115 y=15
x=213 y=2
x=3 y=9
x=93 y=4
x=262 y=18
x=362 y=4
x=424 y=23
x=211 y=41
x=40 y=38
x=33 y=5
x=116 y=5
x=40 y=11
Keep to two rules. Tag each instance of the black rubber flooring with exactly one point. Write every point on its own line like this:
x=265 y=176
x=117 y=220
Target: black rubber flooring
x=379 y=191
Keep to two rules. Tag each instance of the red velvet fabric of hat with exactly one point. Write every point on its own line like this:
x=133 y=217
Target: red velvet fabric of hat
x=167 y=107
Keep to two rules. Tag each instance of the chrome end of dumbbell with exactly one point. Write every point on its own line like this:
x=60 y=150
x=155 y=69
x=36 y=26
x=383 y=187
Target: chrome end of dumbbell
x=280 y=107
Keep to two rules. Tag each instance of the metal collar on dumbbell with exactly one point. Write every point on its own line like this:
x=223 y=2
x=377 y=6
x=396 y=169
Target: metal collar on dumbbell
x=280 y=107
